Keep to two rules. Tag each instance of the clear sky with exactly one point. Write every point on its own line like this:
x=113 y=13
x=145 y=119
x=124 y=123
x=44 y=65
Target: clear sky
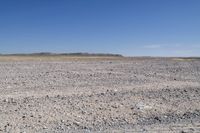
x=128 y=27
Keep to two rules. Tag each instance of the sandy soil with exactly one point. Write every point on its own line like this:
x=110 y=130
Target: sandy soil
x=112 y=95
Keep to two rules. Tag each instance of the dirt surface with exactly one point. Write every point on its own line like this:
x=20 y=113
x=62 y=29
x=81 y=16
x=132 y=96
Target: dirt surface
x=125 y=95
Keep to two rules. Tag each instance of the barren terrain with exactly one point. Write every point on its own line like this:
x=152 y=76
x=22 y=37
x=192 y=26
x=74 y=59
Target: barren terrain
x=99 y=94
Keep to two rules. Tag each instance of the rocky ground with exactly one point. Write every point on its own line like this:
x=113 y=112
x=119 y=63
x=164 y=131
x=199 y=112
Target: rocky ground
x=121 y=95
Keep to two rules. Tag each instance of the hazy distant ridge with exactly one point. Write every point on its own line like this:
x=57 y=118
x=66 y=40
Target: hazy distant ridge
x=56 y=54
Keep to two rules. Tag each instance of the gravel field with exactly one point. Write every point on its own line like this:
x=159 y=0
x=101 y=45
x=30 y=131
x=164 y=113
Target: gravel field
x=112 y=95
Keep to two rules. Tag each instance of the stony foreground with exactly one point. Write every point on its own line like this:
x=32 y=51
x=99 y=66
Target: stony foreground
x=125 y=95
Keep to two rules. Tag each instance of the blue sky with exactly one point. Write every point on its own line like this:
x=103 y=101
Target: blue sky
x=128 y=27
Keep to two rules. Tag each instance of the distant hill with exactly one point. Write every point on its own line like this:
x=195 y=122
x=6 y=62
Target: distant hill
x=58 y=54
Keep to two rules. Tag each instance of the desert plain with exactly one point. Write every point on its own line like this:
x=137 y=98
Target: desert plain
x=99 y=94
